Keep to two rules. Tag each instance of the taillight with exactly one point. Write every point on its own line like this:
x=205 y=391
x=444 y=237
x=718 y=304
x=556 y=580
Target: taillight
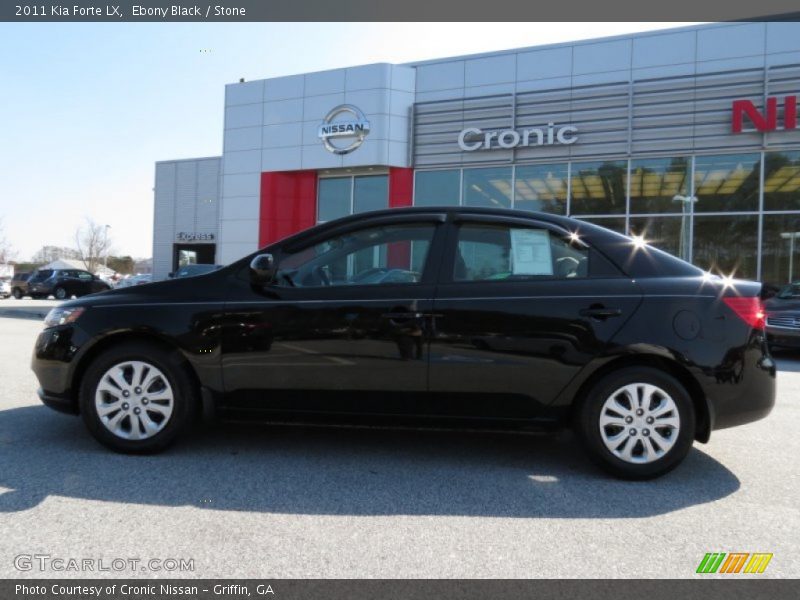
x=750 y=310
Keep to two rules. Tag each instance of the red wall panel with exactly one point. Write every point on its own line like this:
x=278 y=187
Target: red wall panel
x=288 y=204
x=401 y=187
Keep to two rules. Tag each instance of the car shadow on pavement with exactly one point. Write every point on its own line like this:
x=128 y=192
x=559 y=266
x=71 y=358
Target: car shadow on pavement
x=337 y=471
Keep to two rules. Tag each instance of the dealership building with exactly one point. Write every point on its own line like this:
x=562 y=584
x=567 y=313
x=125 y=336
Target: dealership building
x=687 y=137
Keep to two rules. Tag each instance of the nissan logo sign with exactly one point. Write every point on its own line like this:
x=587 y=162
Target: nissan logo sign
x=352 y=130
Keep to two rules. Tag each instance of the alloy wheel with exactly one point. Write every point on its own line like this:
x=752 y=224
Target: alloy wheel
x=639 y=423
x=134 y=400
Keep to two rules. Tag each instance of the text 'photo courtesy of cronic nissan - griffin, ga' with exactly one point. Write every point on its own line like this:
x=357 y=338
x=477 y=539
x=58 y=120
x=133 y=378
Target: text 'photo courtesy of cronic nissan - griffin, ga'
x=446 y=317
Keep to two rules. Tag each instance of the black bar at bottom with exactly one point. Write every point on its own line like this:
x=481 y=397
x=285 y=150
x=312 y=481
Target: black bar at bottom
x=750 y=587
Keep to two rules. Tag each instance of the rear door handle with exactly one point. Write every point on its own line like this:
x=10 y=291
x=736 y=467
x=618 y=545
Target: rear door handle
x=600 y=312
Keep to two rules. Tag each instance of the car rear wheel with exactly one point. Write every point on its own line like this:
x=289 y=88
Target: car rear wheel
x=137 y=398
x=60 y=293
x=637 y=423
x=17 y=293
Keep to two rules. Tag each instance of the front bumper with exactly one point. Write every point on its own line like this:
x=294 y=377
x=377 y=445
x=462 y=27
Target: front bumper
x=783 y=336
x=63 y=404
x=51 y=363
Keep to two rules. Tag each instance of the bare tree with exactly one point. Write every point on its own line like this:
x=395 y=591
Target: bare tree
x=7 y=252
x=93 y=243
x=47 y=254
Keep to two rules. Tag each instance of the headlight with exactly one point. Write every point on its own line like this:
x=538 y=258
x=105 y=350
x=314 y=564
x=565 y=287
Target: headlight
x=63 y=316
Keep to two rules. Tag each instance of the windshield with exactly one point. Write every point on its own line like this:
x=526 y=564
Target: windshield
x=791 y=290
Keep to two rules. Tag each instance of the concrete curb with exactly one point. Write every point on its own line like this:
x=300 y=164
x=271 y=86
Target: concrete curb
x=36 y=314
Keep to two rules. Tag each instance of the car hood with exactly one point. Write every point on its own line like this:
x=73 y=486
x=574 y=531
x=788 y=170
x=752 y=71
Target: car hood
x=203 y=288
x=774 y=305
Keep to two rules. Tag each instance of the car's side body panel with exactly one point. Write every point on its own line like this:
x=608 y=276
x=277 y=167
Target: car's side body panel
x=519 y=351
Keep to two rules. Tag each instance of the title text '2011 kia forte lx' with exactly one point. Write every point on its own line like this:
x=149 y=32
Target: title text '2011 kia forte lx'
x=450 y=316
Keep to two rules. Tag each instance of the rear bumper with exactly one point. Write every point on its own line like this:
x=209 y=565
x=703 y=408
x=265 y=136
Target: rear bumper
x=746 y=392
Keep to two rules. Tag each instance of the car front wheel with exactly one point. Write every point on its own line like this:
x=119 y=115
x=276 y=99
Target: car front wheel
x=137 y=398
x=17 y=293
x=637 y=423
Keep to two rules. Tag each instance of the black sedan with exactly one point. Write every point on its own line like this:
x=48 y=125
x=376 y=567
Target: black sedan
x=783 y=317
x=513 y=320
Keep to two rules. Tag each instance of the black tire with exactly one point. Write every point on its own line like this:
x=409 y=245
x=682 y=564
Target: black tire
x=17 y=293
x=185 y=402
x=60 y=293
x=587 y=424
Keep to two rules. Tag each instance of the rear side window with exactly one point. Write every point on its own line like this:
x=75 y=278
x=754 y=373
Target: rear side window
x=495 y=253
x=43 y=274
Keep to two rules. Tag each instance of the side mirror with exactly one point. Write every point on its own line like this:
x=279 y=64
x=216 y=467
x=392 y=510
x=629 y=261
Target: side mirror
x=171 y=274
x=262 y=268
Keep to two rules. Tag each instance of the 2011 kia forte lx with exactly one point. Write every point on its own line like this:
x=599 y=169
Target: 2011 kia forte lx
x=444 y=316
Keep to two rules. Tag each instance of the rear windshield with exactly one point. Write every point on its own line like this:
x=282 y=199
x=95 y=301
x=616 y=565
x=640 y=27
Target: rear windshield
x=43 y=274
x=639 y=260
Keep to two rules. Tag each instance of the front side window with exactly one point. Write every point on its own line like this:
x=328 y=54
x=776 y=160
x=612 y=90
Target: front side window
x=496 y=253
x=393 y=254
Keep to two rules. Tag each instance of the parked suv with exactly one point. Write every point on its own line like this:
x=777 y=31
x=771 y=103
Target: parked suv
x=19 y=284
x=64 y=283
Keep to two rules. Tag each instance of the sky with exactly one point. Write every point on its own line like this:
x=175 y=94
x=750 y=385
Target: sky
x=89 y=108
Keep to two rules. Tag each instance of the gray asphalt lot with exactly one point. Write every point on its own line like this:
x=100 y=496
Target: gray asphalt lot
x=279 y=501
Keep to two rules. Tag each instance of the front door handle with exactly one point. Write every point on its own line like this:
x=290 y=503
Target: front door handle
x=600 y=312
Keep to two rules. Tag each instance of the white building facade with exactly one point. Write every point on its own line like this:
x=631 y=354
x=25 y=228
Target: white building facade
x=687 y=137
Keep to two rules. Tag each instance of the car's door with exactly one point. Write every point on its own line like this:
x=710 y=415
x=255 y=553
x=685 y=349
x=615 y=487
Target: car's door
x=520 y=308
x=329 y=323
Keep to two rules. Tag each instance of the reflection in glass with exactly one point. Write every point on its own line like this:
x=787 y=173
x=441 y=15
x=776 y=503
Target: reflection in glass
x=541 y=187
x=437 y=188
x=598 y=187
x=658 y=184
x=670 y=234
x=370 y=193
x=489 y=187
x=726 y=244
x=726 y=183
x=780 y=249
x=614 y=223
x=333 y=198
x=782 y=181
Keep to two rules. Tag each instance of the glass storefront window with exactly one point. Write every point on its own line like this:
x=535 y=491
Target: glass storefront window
x=780 y=249
x=489 y=187
x=726 y=183
x=370 y=193
x=341 y=196
x=333 y=200
x=670 y=234
x=542 y=188
x=726 y=244
x=598 y=187
x=437 y=188
x=782 y=181
x=614 y=223
x=658 y=185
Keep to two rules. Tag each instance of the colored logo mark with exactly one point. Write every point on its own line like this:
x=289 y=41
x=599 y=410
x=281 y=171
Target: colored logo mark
x=734 y=562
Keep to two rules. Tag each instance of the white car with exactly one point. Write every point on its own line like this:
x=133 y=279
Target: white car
x=5 y=288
